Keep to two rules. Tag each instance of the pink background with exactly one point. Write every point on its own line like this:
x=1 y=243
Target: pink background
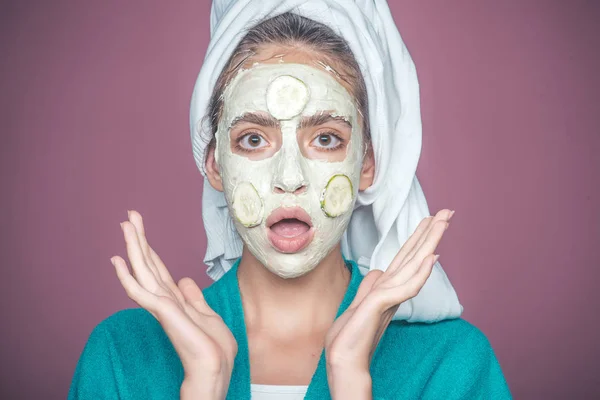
x=94 y=113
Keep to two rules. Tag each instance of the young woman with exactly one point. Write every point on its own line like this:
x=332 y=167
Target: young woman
x=289 y=149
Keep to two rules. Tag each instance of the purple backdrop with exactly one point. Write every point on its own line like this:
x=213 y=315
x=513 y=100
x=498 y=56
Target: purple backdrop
x=94 y=111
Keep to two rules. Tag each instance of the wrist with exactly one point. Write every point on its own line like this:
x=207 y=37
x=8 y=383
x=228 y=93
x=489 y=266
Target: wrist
x=193 y=389
x=350 y=384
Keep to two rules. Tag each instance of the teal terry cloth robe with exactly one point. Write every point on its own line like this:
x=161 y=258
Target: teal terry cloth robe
x=129 y=356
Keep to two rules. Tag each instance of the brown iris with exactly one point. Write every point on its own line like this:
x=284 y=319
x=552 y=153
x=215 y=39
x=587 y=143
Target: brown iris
x=324 y=140
x=254 y=140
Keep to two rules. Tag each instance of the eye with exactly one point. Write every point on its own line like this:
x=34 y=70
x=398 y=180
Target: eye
x=328 y=141
x=250 y=142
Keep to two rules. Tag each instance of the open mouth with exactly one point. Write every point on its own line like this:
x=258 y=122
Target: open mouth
x=289 y=229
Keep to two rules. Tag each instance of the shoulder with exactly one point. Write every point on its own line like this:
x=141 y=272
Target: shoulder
x=130 y=318
x=453 y=336
x=448 y=332
x=130 y=332
x=129 y=324
x=125 y=355
x=451 y=359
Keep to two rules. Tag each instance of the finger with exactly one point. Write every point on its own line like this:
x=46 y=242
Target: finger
x=184 y=328
x=133 y=289
x=429 y=245
x=416 y=283
x=156 y=264
x=181 y=330
x=442 y=215
x=411 y=288
x=158 y=268
x=409 y=244
x=194 y=296
x=136 y=219
x=165 y=275
x=141 y=271
x=365 y=286
x=416 y=239
x=431 y=242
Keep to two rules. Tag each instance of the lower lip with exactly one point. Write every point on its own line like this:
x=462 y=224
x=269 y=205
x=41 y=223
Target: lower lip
x=294 y=244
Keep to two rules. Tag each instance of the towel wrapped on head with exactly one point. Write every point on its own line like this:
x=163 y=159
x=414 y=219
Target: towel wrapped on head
x=386 y=213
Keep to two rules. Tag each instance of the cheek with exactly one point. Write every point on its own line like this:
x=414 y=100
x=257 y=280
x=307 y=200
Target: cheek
x=237 y=170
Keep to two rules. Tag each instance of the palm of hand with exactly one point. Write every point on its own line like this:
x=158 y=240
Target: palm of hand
x=203 y=342
x=354 y=336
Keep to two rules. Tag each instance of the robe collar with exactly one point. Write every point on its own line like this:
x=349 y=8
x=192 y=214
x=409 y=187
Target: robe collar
x=224 y=298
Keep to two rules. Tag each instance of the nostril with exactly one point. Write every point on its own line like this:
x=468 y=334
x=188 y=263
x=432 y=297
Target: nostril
x=279 y=190
x=301 y=189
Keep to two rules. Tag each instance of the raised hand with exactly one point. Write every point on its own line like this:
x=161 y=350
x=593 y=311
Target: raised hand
x=353 y=337
x=203 y=342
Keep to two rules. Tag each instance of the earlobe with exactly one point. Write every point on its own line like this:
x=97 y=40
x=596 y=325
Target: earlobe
x=367 y=174
x=212 y=169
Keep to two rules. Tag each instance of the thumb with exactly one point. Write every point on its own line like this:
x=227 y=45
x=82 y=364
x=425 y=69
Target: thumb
x=365 y=286
x=193 y=295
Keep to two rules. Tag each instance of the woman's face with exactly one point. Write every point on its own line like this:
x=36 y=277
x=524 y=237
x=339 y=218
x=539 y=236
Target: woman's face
x=289 y=150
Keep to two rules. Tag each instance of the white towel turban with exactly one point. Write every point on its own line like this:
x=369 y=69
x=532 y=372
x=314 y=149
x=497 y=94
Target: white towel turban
x=388 y=212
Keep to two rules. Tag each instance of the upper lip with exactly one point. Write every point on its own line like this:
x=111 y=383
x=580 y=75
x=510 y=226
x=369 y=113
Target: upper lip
x=286 y=213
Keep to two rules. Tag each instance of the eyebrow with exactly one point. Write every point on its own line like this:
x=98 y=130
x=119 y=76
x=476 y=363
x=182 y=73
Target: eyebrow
x=321 y=118
x=305 y=122
x=255 y=118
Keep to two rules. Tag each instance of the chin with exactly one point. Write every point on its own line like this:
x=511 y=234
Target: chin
x=293 y=264
x=288 y=266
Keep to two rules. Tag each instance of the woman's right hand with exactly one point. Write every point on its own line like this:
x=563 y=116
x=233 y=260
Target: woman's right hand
x=203 y=342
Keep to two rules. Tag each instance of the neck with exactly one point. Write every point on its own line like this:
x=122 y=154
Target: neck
x=294 y=306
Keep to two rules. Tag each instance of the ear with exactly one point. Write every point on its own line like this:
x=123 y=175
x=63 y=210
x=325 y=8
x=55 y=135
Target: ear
x=212 y=169
x=367 y=174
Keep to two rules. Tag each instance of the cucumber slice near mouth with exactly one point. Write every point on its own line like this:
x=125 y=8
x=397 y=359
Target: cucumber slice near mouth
x=247 y=205
x=337 y=196
x=286 y=97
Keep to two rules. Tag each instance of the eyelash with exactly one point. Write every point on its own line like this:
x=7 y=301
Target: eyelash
x=243 y=149
x=239 y=139
x=330 y=133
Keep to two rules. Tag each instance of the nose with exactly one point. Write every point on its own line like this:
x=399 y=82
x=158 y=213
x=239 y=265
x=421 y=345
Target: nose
x=289 y=177
x=297 y=190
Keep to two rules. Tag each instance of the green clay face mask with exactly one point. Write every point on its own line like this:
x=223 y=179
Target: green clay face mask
x=289 y=210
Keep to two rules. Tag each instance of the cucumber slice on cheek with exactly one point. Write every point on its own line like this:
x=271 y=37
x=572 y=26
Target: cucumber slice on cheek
x=247 y=205
x=337 y=196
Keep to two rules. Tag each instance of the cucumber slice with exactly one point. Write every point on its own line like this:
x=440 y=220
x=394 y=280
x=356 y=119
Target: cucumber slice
x=337 y=196
x=247 y=205
x=286 y=97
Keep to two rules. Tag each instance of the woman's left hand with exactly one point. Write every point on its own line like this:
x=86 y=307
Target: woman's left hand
x=354 y=336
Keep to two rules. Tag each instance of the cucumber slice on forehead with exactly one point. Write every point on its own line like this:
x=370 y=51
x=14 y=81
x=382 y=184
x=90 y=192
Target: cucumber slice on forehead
x=337 y=196
x=286 y=97
x=247 y=205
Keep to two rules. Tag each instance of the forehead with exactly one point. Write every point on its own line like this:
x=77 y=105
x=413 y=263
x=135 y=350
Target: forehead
x=247 y=91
